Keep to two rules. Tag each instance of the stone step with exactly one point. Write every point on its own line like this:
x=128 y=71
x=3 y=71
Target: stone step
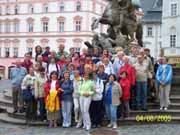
x=175 y=99
x=5 y=102
x=173 y=106
x=173 y=113
x=16 y=115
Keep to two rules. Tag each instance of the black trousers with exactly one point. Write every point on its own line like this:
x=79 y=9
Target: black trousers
x=96 y=112
x=31 y=108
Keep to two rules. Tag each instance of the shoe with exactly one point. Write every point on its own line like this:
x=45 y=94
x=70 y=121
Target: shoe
x=98 y=126
x=64 y=125
x=94 y=126
x=21 y=111
x=144 y=109
x=161 y=108
x=84 y=126
x=110 y=125
x=114 y=126
x=55 y=125
x=88 y=128
x=78 y=125
x=165 y=108
x=50 y=125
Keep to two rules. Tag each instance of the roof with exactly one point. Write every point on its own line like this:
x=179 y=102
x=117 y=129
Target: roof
x=152 y=11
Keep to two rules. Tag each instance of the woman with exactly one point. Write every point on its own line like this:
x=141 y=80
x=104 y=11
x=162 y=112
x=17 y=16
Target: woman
x=76 y=83
x=40 y=81
x=86 y=91
x=112 y=94
x=67 y=86
x=52 y=66
x=96 y=104
x=52 y=100
x=75 y=59
x=28 y=95
x=38 y=51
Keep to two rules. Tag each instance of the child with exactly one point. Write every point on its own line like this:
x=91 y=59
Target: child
x=125 y=85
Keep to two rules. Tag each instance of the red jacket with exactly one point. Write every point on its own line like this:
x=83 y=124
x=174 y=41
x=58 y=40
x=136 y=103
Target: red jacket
x=27 y=64
x=47 y=88
x=131 y=73
x=125 y=85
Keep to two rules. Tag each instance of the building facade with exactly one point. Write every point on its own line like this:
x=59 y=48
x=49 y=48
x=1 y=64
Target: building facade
x=170 y=28
x=152 y=26
x=27 y=23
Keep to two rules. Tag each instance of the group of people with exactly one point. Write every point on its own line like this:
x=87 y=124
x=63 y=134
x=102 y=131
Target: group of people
x=95 y=85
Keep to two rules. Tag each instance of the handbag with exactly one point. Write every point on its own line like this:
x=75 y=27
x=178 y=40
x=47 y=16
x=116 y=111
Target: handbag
x=27 y=95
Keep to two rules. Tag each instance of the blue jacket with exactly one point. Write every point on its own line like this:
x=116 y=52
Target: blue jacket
x=168 y=74
x=67 y=86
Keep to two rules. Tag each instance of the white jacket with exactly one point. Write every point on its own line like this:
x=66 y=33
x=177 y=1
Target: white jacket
x=99 y=90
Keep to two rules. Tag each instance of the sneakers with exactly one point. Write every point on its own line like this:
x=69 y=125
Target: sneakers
x=88 y=128
x=114 y=125
x=161 y=108
x=165 y=108
x=78 y=125
x=109 y=125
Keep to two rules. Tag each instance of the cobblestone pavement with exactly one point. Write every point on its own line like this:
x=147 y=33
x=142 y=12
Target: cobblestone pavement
x=161 y=129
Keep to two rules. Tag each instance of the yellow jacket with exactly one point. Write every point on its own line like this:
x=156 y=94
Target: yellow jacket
x=52 y=101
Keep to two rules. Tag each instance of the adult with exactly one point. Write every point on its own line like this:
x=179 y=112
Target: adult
x=28 y=95
x=118 y=63
x=39 y=94
x=164 y=77
x=65 y=66
x=67 y=100
x=112 y=94
x=96 y=55
x=71 y=51
x=133 y=55
x=86 y=91
x=108 y=67
x=62 y=61
x=61 y=51
x=141 y=83
x=38 y=51
x=52 y=100
x=52 y=66
x=75 y=59
x=40 y=61
x=16 y=75
x=27 y=63
x=76 y=98
x=96 y=104
x=81 y=66
x=46 y=54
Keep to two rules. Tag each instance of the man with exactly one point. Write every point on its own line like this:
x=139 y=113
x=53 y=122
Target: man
x=118 y=63
x=16 y=75
x=141 y=83
x=164 y=77
x=61 y=51
x=148 y=54
x=133 y=56
x=27 y=63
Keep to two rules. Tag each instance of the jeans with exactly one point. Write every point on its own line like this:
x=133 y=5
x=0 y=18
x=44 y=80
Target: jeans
x=85 y=105
x=40 y=102
x=111 y=112
x=67 y=112
x=141 y=94
x=77 y=111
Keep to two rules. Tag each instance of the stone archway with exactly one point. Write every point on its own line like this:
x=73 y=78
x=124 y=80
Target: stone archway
x=2 y=72
x=9 y=71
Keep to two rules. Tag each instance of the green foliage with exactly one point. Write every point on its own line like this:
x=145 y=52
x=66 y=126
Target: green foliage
x=178 y=65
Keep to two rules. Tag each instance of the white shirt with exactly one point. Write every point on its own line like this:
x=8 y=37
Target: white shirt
x=51 y=68
x=53 y=85
x=99 y=90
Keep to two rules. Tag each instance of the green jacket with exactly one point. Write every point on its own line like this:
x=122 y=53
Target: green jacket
x=86 y=87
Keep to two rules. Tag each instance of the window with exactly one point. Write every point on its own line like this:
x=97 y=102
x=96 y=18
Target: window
x=78 y=6
x=0 y=11
x=149 y=31
x=7 y=52
x=172 y=40
x=7 y=27
x=7 y=10
x=16 y=27
x=15 y=52
x=174 y=9
x=16 y=10
x=31 y=9
x=61 y=7
x=77 y=49
x=45 y=26
x=45 y=8
x=30 y=27
x=30 y=50
x=78 y=25
x=0 y=28
x=61 y=26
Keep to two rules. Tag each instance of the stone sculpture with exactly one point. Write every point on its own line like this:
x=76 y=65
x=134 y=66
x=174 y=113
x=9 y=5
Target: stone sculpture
x=122 y=23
